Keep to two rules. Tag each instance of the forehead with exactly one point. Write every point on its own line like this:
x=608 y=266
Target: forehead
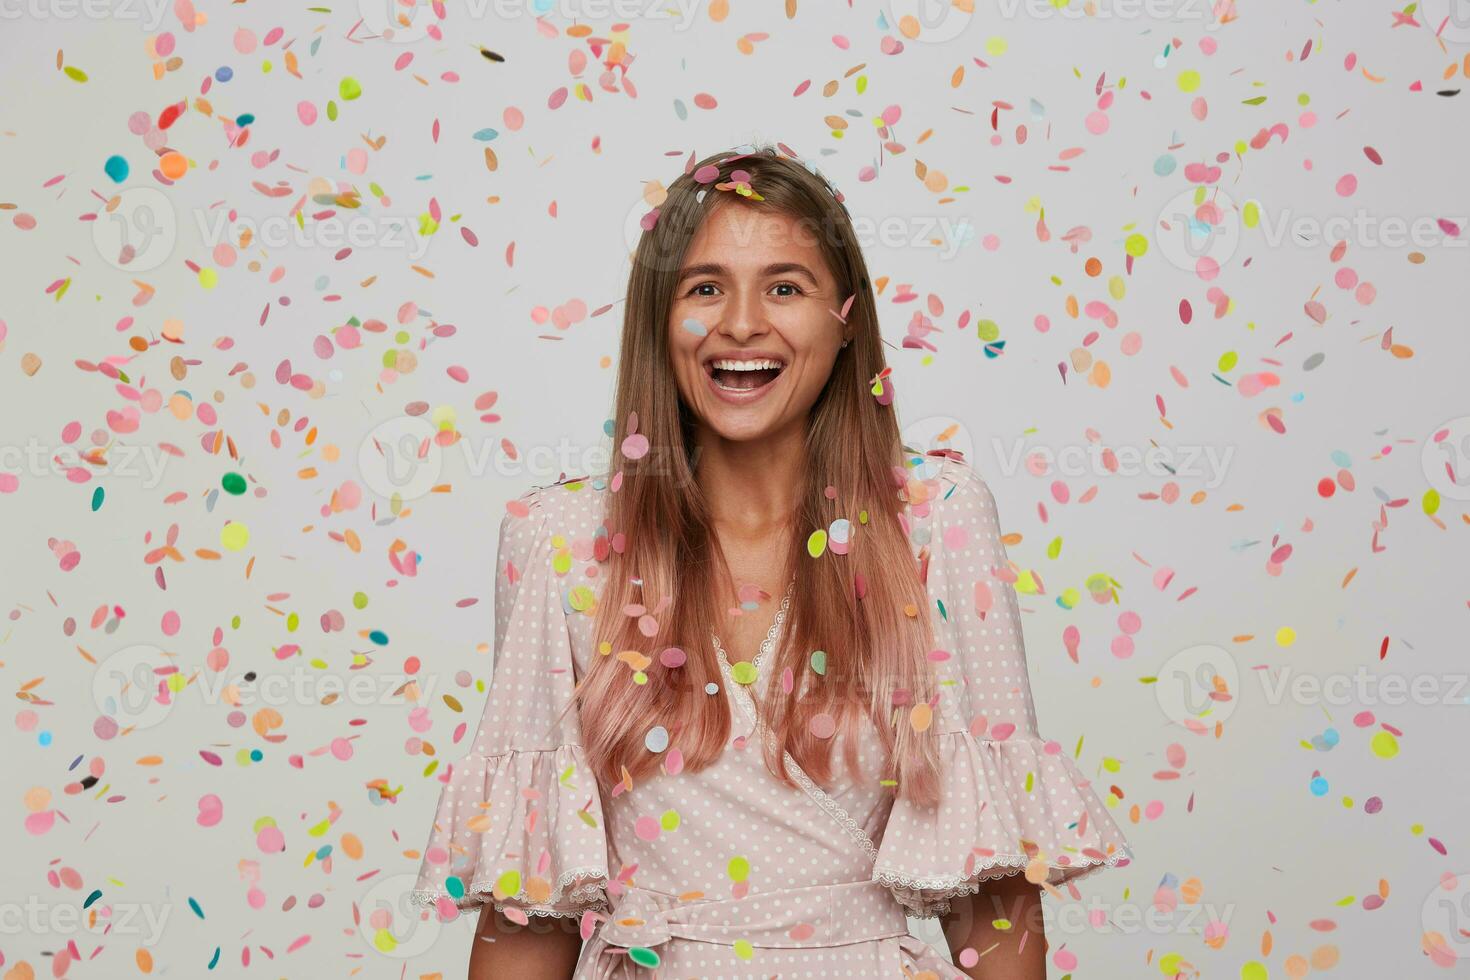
x=744 y=235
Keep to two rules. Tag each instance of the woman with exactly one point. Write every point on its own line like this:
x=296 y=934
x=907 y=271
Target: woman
x=762 y=691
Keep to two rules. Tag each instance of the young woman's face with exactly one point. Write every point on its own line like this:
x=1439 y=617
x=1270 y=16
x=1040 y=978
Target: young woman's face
x=750 y=330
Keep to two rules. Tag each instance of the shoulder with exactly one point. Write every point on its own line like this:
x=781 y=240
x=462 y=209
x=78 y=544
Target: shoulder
x=945 y=489
x=569 y=512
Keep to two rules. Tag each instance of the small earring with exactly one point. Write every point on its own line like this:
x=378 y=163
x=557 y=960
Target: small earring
x=844 y=343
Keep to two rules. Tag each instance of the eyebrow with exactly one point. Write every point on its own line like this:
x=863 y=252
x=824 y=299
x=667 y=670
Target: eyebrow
x=717 y=269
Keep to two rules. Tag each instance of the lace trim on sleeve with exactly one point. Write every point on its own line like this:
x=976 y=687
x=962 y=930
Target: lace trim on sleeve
x=588 y=891
x=937 y=890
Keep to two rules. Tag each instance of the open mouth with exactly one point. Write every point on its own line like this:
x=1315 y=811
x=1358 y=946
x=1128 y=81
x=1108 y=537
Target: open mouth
x=737 y=375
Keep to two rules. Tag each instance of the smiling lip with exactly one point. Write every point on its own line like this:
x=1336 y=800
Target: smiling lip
x=747 y=396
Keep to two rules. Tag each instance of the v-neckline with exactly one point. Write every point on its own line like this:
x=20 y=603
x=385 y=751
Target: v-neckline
x=765 y=648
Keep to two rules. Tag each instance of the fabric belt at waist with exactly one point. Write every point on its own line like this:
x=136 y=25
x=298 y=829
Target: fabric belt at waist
x=789 y=918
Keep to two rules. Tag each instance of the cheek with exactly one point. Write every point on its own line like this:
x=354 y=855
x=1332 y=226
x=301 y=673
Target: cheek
x=688 y=327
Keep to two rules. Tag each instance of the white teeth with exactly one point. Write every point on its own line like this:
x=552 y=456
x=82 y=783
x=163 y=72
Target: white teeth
x=728 y=365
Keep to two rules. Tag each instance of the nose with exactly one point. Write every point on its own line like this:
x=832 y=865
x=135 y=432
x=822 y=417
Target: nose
x=743 y=317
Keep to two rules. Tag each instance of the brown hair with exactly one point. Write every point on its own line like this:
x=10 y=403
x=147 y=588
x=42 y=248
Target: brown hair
x=667 y=581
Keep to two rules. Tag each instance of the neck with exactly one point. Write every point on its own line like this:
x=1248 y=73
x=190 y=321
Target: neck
x=751 y=485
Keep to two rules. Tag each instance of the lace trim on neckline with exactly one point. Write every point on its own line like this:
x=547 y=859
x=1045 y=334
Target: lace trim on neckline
x=769 y=642
x=747 y=706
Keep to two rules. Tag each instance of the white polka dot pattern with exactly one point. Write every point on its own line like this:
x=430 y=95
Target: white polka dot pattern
x=520 y=817
x=520 y=821
x=1010 y=798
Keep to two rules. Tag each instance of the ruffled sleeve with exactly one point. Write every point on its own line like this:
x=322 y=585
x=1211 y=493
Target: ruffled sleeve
x=519 y=819
x=1012 y=801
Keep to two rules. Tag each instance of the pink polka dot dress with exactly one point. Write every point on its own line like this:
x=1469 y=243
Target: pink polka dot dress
x=727 y=872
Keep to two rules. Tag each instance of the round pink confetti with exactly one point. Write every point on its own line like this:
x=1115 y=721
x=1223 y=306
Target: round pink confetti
x=647 y=828
x=823 y=725
x=270 y=840
x=635 y=446
x=1346 y=185
x=211 y=810
x=39 y=823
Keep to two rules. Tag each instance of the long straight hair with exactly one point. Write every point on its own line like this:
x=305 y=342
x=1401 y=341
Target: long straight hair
x=667 y=582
